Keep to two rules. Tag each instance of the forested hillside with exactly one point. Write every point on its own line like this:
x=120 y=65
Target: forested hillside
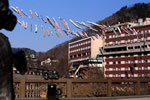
x=125 y=14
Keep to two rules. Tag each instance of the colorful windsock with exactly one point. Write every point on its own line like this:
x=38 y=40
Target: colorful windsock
x=35 y=28
x=31 y=13
x=43 y=19
x=18 y=10
x=56 y=24
x=14 y=9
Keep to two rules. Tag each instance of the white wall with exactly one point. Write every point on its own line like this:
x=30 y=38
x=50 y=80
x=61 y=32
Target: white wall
x=95 y=46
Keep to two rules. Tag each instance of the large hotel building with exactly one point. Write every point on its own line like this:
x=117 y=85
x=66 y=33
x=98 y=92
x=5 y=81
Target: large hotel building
x=125 y=56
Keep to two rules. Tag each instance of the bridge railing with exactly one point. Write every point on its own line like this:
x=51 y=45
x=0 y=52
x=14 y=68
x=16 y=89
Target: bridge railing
x=34 y=88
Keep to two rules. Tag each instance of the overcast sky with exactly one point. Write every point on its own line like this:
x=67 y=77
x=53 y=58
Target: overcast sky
x=77 y=10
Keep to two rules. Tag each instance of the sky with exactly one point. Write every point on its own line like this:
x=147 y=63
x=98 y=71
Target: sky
x=77 y=10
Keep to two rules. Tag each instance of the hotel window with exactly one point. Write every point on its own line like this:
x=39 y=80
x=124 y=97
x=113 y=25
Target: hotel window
x=139 y=61
x=88 y=53
x=84 y=42
x=126 y=55
x=107 y=37
x=114 y=43
x=107 y=63
x=132 y=41
x=145 y=68
x=131 y=55
x=145 y=54
x=137 y=47
x=119 y=42
x=119 y=69
x=107 y=69
x=107 y=43
x=114 y=75
x=126 y=68
x=114 y=69
x=139 y=54
x=145 y=39
x=75 y=56
x=131 y=75
x=145 y=75
x=107 y=75
x=146 y=31
x=139 y=75
x=126 y=41
x=119 y=62
x=79 y=55
x=119 y=56
x=119 y=75
x=145 y=61
x=140 y=32
x=126 y=34
x=130 y=47
x=126 y=62
x=131 y=33
x=139 y=40
x=113 y=36
x=139 y=68
x=144 y=46
x=83 y=54
x=114 y=62
x=132 y=61
x=114 y=56
x=107 y=56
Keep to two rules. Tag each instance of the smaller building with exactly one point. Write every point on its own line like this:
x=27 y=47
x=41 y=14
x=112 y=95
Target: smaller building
x=83 y=53
x=48 y=61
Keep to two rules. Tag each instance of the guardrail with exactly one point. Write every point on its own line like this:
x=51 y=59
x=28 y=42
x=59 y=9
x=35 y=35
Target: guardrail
x=35 y=88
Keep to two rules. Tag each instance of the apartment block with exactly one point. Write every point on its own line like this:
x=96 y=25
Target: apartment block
x=127 y=55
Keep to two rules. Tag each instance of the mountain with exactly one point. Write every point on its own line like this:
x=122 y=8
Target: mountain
x=26 y=50
x=60 y=52
x=128 y=14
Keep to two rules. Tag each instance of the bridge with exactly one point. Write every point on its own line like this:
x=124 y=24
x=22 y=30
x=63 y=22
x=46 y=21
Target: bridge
x=36 y=88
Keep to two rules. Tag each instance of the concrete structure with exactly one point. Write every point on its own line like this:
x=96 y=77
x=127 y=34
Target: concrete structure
x=127 y=55
x=83 y=53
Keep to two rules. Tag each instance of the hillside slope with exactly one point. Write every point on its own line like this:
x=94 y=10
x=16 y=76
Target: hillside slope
x=125 y=14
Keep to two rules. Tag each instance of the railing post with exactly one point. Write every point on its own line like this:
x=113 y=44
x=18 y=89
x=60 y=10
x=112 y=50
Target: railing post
x=22 y=88
x=69 y=88
x=109 y=91
x=138 y=83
